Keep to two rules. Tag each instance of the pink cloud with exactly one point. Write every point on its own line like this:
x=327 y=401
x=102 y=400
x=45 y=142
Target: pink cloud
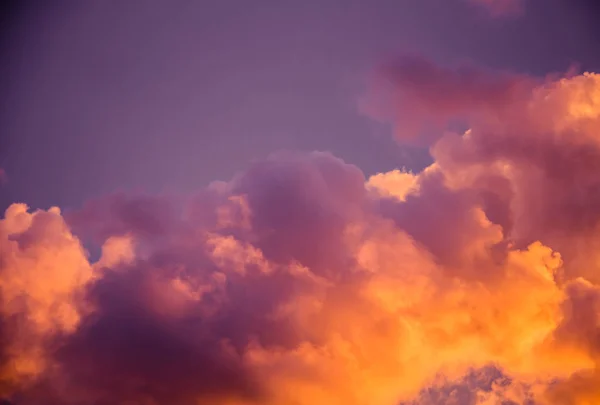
x=421 y=99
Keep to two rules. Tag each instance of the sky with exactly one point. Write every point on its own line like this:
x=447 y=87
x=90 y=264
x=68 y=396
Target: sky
x=333 y=202
x=155 y=95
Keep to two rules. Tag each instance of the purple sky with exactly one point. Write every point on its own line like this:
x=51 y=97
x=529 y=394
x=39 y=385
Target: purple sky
x=157 y=95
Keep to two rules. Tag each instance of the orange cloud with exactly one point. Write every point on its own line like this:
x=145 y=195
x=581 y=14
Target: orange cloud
x=302 y=282
x=395 y=183
x=42 y=268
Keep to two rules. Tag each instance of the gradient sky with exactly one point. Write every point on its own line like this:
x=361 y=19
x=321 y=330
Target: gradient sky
x=332 y=202
x=157 y=95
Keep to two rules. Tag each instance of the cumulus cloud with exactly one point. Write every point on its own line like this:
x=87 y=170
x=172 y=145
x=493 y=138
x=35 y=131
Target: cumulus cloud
x=302 y=281
x=396 y=183
x=422 y=99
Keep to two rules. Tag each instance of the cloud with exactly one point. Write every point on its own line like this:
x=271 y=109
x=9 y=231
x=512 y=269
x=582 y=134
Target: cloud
x=302 y=281
x=42 y=269
x=421 y=99
x=396 y=183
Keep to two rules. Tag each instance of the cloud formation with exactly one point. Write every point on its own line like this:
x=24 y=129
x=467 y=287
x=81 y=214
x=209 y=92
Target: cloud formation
x=301 y=281
x=424 y=99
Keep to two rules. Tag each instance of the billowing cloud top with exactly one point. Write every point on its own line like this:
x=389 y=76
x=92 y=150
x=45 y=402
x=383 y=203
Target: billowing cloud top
x=300 y=281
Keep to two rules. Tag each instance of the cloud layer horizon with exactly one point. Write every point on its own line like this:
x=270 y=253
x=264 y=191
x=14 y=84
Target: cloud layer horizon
x=300 y=281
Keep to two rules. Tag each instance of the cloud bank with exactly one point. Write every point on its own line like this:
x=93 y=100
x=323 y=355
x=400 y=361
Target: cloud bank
x=301 y=281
